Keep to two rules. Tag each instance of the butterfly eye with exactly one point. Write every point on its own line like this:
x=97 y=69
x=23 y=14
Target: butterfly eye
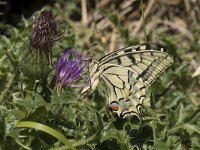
x=90 y=59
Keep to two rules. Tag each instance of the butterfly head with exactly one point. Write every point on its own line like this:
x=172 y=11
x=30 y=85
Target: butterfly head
x=85 y=89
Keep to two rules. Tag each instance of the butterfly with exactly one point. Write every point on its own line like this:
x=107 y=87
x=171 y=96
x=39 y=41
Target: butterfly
x=127 y=73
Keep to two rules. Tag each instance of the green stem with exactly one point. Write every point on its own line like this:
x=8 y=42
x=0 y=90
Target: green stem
x=10 y=80
x=143 y=22
x=154 y=131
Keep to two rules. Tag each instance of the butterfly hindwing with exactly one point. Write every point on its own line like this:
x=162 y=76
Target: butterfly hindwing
x=121 y=88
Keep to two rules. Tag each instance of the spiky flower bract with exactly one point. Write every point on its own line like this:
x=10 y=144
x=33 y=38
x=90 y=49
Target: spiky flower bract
x=44 y=32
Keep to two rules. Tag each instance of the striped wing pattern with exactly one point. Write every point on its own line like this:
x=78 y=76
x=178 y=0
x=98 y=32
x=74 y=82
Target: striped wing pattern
x=127 y=73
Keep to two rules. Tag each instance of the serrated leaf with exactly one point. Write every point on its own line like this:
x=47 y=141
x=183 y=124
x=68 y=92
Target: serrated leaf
x=192 y=128
x=181 y=120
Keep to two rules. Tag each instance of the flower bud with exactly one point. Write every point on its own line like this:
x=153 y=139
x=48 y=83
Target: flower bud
x=36 y=60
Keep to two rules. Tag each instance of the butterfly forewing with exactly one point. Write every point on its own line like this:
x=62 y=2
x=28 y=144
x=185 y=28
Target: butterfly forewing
x=145 y=63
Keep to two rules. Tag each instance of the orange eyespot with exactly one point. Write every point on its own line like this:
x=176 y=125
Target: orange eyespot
x=114 y=108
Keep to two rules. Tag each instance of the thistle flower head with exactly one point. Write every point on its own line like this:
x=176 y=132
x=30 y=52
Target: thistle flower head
x=36 y=61
x=69 y=68
x=44 y=31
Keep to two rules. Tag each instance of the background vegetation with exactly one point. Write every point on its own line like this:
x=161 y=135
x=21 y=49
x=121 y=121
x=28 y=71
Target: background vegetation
x=171 y=115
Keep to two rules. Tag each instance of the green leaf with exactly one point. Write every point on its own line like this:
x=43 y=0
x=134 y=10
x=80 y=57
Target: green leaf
x=161 y=145
x=180 y=119
x=44 y=128
x=192 y=128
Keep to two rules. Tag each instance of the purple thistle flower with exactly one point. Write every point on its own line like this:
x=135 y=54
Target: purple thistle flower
x=69 y=70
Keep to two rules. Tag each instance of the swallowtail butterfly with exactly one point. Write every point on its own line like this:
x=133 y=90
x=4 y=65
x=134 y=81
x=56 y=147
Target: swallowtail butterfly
x=127 y=72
